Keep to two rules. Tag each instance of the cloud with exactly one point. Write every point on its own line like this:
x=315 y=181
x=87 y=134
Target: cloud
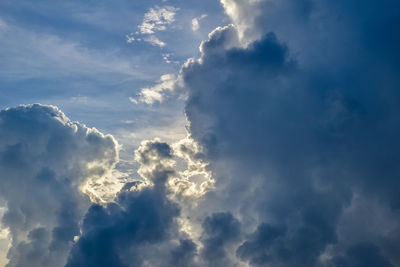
x=363 y=254
x=44 y=159
x=293 y=123
x=155 y=20
x=195 y=180
x=168 y=60
x=196 y=22
x=153 y=40
x=296 y=116
x=158 y=92
x=220 y=231
x=141 y=226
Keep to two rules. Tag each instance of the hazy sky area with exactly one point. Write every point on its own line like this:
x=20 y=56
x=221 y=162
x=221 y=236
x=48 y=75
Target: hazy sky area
x=208 y=133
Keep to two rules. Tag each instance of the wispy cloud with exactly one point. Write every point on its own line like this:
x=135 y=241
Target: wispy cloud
x=156 y=93
x=155 y=20
x=152 y=39
x=196 y=22
x=27 y=54
x=167 y=58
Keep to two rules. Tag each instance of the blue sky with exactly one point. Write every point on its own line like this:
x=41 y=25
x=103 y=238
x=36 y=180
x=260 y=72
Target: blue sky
x=199 y=133
x=75 y=55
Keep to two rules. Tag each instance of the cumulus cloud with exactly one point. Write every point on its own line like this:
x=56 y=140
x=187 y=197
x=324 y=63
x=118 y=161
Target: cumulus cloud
x=195 y=180
x=293 y=114
x=220 y=231
x=296 y=115
x=143 y=226
x=140 y=228
x=44 y=159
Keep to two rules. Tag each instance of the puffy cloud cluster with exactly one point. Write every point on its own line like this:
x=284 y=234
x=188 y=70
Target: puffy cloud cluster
x=294 y=109
x=44 y=159
x=141 y=227
x=297 y=108
x=48 y=167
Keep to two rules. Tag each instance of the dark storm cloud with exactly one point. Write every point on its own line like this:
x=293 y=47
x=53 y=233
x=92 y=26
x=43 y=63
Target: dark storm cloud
x=364 y=254
x=299 y=122
x=44 y=157
x=220 y=231
x=112 y=235
x=140 y=228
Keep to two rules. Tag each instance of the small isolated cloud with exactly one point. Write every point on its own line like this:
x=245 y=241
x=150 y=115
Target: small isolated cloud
x=196 y=22
x=168 y=60
x=155 y=20
x=156 y=93
x=130 y=38
x=153 y=40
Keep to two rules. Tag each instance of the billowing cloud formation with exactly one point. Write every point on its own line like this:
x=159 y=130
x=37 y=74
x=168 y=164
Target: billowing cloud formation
x=44 y=159
x=295 y=110
x=141 y=227
x=144 y=226
x=301 y=124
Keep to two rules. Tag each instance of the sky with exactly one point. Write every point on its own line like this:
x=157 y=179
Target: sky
x=200 y=133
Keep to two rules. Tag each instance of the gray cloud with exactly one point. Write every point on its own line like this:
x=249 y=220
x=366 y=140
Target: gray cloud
x=44 y=158
x=141 y=227
x=298 y=122
x=220 y=231
x=294 y=110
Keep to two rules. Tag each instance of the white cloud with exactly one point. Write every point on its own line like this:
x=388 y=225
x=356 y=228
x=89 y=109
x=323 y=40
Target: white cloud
x=168 y=60
x=195 y=180
x=153 y=40
x=129 y=38
x=244 y=14
x=156 y=93
x=157 y=19
x=196 y=22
